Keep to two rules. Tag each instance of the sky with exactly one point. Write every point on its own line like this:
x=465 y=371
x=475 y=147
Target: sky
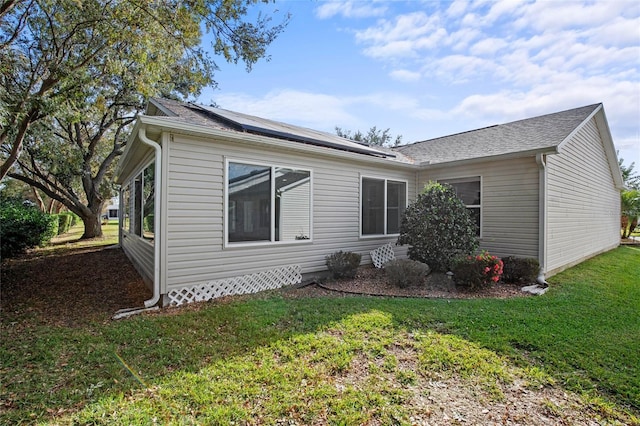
x=425 y=69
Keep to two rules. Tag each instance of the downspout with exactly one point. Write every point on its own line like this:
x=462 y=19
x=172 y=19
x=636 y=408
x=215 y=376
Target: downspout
x=542 y=218
x=142 y=134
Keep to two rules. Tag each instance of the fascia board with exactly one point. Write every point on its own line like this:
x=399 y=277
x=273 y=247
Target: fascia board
x=610 y=151
x=520 y=154
x=578 y=128
x=124 y=158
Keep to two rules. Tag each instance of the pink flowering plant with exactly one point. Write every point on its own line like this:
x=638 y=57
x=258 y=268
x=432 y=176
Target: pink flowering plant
x=481 y=270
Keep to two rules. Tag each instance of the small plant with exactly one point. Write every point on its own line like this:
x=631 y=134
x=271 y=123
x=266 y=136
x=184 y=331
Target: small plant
x=343 y=264
x=478 y=271
x=520 y=269
x=405 y=273
x=438 y=227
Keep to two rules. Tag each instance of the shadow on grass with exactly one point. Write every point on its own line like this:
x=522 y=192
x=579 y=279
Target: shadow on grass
x=583 y=332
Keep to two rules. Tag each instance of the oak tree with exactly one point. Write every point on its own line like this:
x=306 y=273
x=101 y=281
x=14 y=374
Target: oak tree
x=74 y=75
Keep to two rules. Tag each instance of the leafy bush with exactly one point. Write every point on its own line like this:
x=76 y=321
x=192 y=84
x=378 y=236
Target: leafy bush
x=343 y=264
x=23 y=227
x=74 y=218
x=478 y=271
x=520 y=269
x=405 y=272
x=438 y=227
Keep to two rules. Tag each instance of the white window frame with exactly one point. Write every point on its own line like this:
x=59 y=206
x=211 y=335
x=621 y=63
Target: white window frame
x=133 y=217
x=386 y=191
x=464 y=179
x=272 y=227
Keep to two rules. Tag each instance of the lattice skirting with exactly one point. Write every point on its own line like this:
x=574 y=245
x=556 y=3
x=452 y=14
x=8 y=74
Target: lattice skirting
x=253 y=283
x=382 y=255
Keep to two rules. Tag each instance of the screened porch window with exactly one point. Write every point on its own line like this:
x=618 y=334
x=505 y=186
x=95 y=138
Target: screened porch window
x=267 y=203
x=383 y=203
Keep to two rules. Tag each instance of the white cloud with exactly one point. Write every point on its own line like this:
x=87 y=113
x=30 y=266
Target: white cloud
x=457 y=8
x=405 y=75
x=488 y=46
x=405 y=36
x=313 y=110
x=349 y=9
x=557 y=16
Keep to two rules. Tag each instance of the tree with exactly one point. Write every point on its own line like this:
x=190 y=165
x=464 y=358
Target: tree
x=629 y=199
x=438 y=227
x=630 y=210
x=630 y=178
x=75 y=75
x=374 y=137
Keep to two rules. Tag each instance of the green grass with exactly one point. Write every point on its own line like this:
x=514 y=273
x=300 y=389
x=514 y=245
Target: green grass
x=70 y=240
x=268 y=357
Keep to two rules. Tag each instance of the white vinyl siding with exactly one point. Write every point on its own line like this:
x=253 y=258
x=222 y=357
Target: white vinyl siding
x=583 y=205
x=510 y=194
x=195 y=251
x=139 y=250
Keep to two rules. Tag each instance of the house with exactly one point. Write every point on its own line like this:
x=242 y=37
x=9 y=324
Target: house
x=215 y=202
x=110 y=211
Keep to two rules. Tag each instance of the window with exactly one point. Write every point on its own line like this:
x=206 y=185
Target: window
x=267 y=203
x=469 y=191
x=126 y=205
x=383 y=203
x=138 y=204
x=148 y=202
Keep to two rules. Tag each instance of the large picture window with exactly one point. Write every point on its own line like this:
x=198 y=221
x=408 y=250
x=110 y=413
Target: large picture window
x=469 y=191
x=383 y=203
x=267 y=203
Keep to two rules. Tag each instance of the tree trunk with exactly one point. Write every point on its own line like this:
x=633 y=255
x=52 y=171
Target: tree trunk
x=624 y=222
x=92 y=225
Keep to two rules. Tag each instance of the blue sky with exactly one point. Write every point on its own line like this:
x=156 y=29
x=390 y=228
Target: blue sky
x=426 y=68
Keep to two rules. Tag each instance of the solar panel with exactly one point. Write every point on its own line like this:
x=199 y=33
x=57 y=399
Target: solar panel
x=261 y=126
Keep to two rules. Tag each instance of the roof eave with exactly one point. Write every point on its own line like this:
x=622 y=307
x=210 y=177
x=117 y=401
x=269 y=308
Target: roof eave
x=497 y=157
x=166 y=124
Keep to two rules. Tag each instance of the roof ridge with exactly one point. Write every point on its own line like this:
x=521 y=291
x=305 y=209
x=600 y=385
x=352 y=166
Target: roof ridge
x=537 y=117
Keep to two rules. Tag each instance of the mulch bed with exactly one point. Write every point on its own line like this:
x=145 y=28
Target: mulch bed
x=372 y=281
x=69 y=289
x=86 y=285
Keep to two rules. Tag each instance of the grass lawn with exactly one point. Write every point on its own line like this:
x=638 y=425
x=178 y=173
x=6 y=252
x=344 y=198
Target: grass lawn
x=71 y=239
x=352 y=360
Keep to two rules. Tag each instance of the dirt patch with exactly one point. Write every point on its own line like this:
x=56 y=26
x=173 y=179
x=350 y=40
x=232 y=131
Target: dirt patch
x=374 y=282
x=69 y=289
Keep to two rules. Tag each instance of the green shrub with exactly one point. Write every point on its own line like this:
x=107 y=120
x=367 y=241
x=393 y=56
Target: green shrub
x=343 y=264
x=406 y=272
x=23 y=227
x=520 y=269
x=64 y=223
x=438 y=228
x=475 y=272
x=74 y=219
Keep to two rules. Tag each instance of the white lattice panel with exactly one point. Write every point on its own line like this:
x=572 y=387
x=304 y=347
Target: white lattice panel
x=382 y=255
x=253 y=283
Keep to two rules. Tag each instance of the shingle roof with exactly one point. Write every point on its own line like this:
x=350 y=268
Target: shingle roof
x=545 y=132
